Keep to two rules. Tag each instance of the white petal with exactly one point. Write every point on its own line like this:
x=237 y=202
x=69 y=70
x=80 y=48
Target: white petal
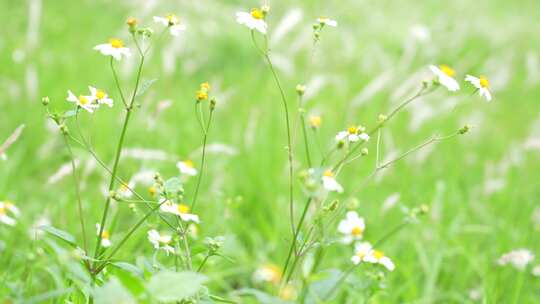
x=386 y=262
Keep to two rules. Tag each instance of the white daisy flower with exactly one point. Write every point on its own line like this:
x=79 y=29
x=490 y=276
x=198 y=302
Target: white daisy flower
x=481 y=84
x=86 y=102
x=114 y=48
x=445 y=76
x=181 y=210
x=364 y=252
x=353 y=134
x=186 y=167
x=352 y=227
x=361 y=250
x=124 y=191
x=326 y=21
x=329 y=182
x=105 y=236
x=172 y=22
x=378 y=257
x=518 y=258
x=8 y=213
x=160 y=241
x=100 y=96
x=253 y=20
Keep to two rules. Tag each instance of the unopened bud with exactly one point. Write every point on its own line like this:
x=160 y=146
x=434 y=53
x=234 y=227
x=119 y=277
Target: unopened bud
x=300 y=89
x=382 y=118
x=212 y=104
x=364 y=151
x=132 y=24
x=45 y=100
x=425 y=84
x=424 y=209
x=265 y=9
x=340 y=144
x=464 y=129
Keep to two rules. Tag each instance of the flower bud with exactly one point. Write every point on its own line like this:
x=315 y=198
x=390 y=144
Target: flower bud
x=315 y=121
x=45 y=100
x=300 y=89
x=464 y=129
x=424 y=209
x=364 y=151
x=382 y=118
x=425 y=84
x=340 y=144
x=265 y=9
x=132 y=24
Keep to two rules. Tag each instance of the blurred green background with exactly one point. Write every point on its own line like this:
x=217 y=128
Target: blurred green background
x=483 y=188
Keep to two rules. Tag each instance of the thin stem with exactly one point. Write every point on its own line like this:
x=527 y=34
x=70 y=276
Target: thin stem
x=185 y=243
x=118 y=87
x=77 y=193
x=117 y=157
x=295 y=234
x=208 y=255
x=128 y=235
x=203 y=157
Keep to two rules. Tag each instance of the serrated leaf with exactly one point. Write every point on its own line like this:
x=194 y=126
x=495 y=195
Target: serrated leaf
x=145 y=86
x=168 y=286
x=61 y=234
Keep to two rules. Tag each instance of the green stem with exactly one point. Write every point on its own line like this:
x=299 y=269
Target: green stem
x=208 y=255
x=295 y=234
x=203 y=158
x=118 y=87
x=117 y=158
x=78 y=194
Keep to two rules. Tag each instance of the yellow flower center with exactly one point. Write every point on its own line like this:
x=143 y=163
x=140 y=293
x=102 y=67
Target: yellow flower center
x=2 y=210
x=152 y=190
x=183 y=208
x=105 y=235
x=172 y=19
x=378 y=254
x=100 y=94
x=447 y=70
x=315 y=121
x=202 y=95
x=328 y=173
x=188 y=163
x=257 y=14
x=484 y=83
x=83 y=100
x=357 y=231
x=116 y=43
x=352 y=130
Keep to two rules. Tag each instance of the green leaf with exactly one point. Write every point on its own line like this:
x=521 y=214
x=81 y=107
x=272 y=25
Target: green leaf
x=173 y=185
x=113 y=292
x=168 y=286
x=61 y=234
x=145 y=86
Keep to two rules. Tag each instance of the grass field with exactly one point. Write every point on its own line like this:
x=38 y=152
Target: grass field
x=482 y=188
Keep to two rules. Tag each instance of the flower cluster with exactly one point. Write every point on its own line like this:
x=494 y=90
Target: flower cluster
x=445 y=76
x=353 y=227
x=202 y=93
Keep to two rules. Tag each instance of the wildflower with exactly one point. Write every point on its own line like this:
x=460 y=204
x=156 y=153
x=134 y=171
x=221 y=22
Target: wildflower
x=160 y=241
x=86 y=102
x=181 y=210
x=315 y=121
x=353 y=134
x=100 y=96
x=186 y=167
x=124 y=191
x=481 y=84
x=114 y=48
x=519 y=258
x=202 y=93
x=132 y=24
x=253 y=19
x=172 y=22
x=105 y=236
x=8 y=212
x=268 y=273
x=352 y=227
x=364 y=252
x=326 y=21
x=445 y=75
x=330 y=183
